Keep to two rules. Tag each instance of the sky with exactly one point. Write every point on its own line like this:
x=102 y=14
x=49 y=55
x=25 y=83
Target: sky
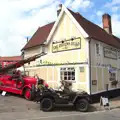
x=20 y=19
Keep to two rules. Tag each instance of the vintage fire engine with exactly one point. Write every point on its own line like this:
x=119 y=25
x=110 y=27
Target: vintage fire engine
x=16 y=82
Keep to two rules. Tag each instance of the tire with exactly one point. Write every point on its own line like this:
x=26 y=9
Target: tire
x=28 y=94
x=82 y=105
x=46 y=104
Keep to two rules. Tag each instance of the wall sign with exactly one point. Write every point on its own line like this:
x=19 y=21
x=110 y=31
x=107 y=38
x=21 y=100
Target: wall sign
x=110 y=53
x=94 y=82
x=66 y=45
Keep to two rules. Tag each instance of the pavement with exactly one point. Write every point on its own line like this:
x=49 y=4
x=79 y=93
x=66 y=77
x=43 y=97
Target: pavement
x=14 y=107
x=113 y=104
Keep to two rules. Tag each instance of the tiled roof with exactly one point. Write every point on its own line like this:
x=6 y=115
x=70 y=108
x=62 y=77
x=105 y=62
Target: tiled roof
x=93 y=30
x=40 y=36
x=96 y=32
x=11 y=58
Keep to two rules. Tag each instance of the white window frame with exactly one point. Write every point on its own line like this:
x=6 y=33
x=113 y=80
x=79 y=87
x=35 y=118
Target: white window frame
x=67 y=73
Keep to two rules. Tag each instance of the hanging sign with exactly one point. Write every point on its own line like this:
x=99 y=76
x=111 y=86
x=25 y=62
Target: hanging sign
x=66 y=45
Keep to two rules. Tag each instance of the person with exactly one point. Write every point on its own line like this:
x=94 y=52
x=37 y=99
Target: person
x=66 y=86
x=16 y=74
x=42 y=84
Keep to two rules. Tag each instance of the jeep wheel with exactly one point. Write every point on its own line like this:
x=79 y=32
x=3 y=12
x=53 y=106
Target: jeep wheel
x=82 y=105
x=28 y=94
x=46 y=104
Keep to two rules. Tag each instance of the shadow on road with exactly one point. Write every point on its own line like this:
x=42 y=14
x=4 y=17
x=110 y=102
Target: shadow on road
x=72 y=109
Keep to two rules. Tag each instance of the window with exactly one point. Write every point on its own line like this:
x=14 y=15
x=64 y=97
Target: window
x=112 y=76
x=67 y=74
x=97 y=49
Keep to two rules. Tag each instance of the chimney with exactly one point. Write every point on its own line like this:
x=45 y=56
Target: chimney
x=59 y=9
x=106 y=19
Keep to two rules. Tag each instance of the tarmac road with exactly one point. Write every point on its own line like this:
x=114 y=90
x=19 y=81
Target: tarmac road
x=17 y=108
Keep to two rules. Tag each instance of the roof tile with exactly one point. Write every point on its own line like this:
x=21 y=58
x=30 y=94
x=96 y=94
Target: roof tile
x=96 y=32
x=40 y=36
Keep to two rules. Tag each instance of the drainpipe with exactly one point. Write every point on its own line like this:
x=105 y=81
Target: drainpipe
x=89 y=65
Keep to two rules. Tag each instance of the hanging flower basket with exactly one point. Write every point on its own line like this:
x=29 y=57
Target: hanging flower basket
x=115 y=82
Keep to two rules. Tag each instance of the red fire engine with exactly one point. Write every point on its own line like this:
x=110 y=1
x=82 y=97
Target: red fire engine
x=14 y=82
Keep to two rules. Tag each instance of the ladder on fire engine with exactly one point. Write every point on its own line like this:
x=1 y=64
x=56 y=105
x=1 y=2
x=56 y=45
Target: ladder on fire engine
x=21 y=62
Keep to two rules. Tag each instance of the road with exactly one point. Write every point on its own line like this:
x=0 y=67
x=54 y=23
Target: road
x=17 y=108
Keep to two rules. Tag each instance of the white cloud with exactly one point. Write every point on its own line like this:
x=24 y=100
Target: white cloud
x=99 y=13
x=116 y=24
x=113 y=3
x=115 y=8
x=21 y=18
x=68 y=2
x=79 y=4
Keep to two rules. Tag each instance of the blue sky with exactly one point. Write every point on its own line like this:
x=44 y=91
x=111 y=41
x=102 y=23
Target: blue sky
x=21 y=18
x=96 y=8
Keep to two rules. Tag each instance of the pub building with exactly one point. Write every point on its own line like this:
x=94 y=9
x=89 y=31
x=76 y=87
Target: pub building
x=77 y=51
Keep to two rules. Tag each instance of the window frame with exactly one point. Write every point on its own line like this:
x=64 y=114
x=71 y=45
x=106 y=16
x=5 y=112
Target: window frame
x=67 y=73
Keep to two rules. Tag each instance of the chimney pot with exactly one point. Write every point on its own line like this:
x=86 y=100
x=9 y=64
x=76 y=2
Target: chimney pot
x=106 y=19
x=59 y=9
